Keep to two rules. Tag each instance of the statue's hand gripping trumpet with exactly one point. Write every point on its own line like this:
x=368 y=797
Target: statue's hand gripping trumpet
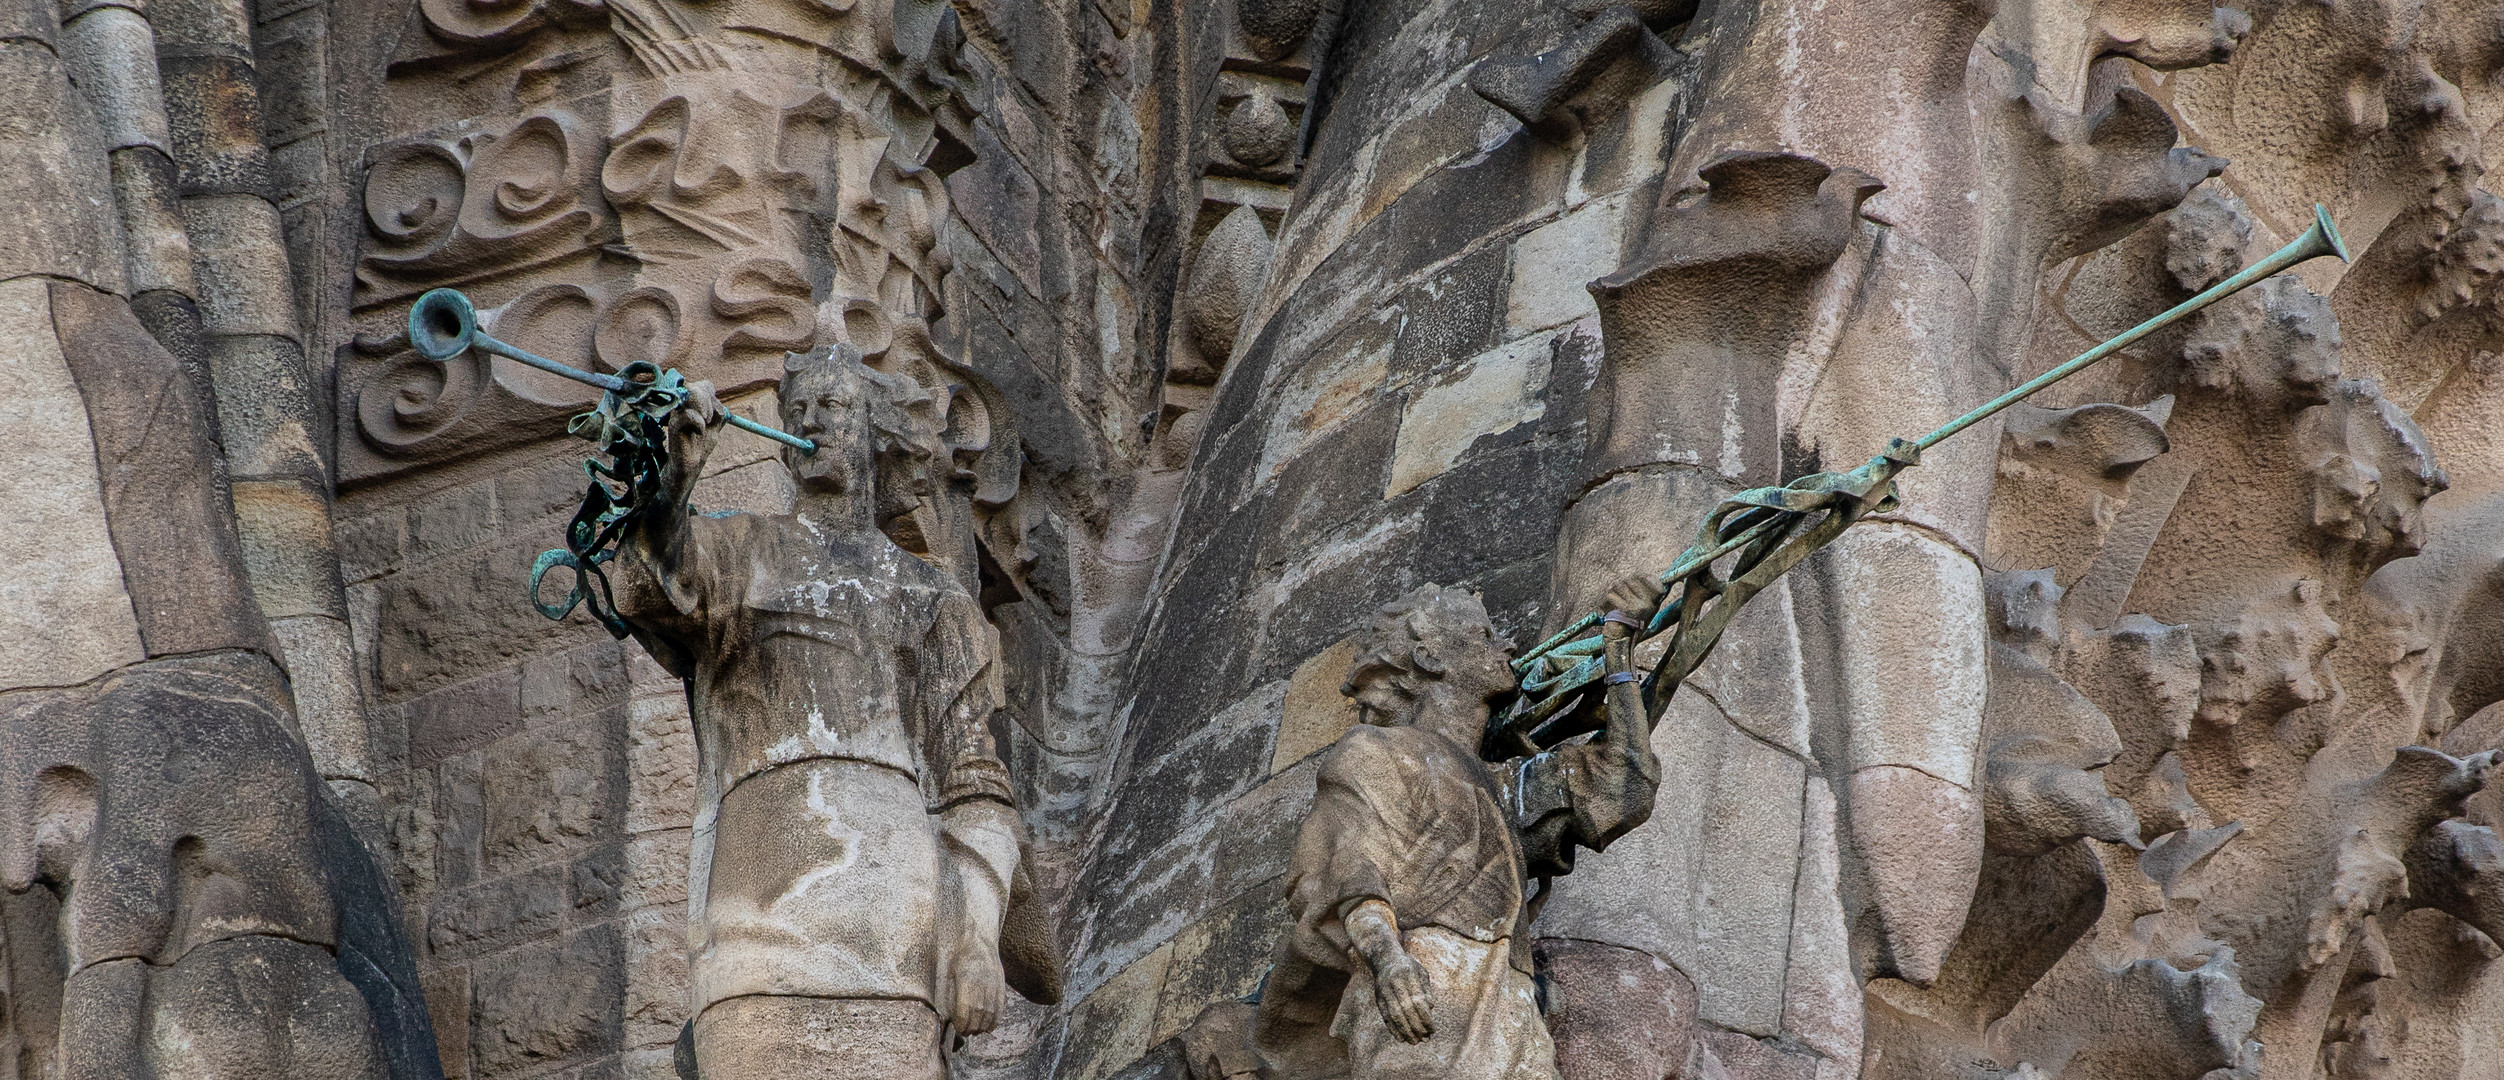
x=1764 y=532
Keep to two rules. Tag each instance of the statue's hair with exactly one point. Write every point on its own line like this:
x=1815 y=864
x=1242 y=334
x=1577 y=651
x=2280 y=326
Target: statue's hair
x=904 y=417
x=1388 y=647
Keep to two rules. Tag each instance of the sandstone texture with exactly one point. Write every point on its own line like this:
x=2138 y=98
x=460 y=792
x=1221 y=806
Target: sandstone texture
x=2146 y=733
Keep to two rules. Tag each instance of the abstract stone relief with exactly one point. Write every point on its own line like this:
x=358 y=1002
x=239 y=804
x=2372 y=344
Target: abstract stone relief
x=1180 y=652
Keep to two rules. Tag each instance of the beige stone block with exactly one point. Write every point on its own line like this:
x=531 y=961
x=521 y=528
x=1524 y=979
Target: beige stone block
x=1917 y=845
x=656 y=977
x=245 y=278
x=1220 y=958
x=1633 y=523
x=1908 y=610
x=762 y=487
x=1316 y=713
x=285 y=528
x=656 y=869
x=799 y=853
x=1110 y=1028
x=802 y=1038
x=1552 y=262
x=1495 y=391
x=330 y=707
x=64 y=615
x=1747 y=864
x=1754 y=673
x=1821 y=1001
x=1640 y=892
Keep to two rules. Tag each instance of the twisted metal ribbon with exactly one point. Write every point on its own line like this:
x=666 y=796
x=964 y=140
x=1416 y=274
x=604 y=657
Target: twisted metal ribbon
x=632 y=430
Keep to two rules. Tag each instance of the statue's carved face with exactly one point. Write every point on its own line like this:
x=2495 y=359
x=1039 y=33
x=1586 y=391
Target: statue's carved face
x=1461 y=652
x=830 y=408
x=1474 y=657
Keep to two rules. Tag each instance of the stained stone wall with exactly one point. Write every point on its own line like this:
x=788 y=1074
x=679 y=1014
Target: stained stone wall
x=2145 y=741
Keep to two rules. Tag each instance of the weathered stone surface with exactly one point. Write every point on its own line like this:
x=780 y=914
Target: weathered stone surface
x=745 y=1039
x=173 y=528
x=545 y=1004
x=464 y=717
x=1597 y=994
x=1176 y=477
x=69 y=617
x=551 y=791
x=212 y=1014
x=58 y=157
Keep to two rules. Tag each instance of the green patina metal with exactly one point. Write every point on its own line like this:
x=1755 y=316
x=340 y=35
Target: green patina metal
x=631 y=425
x=1764 y=532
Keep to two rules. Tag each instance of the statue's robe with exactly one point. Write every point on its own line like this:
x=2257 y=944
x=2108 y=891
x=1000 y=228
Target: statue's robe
x=1408 y=817
x=853 y=828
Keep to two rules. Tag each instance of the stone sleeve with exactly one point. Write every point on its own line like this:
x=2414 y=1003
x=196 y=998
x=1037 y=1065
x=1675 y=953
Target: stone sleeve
x=956 y=692
x=678 y=588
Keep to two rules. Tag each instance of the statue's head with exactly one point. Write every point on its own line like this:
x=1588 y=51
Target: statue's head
x=1432 y=635
x=875 y=432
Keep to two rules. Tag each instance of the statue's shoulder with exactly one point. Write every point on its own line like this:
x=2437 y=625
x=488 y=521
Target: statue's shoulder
x=1368 y=751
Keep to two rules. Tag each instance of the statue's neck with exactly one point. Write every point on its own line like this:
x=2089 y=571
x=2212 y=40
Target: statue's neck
x=1445 y=710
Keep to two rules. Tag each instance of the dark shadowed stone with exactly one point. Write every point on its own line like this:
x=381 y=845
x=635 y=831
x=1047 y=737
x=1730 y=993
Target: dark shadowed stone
x=1615 y=1013
x=547 y=1004
x=165 y=495
x=595 y=881
x=1459 y=204
x=1516 y=597
x=174 y=321
x=1000 y=201
x=1164 y=1061
x=374 y=955
x=1497 y=507
x=1184 y=782
x=1330 y=604
x=216 y=120
x=1452 y=315
x=1057 y=442
x=1198 y=649
x=1333 y=480
x=103 y=1016
x=193 y=750
x=504 y=911
x=34 y=967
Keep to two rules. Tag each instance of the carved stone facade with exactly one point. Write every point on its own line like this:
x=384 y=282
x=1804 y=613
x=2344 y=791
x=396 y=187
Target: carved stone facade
x=2149 y=735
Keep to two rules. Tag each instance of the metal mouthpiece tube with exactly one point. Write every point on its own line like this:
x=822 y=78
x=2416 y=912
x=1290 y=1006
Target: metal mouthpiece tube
x=2322 y=239
x=443 y=324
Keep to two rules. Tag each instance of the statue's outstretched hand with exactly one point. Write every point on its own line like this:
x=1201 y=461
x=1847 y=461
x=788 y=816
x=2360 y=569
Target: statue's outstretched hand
x=979 y=991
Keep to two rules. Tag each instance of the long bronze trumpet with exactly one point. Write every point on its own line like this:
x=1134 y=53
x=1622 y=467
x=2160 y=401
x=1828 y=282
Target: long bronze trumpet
x=1767 y=531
